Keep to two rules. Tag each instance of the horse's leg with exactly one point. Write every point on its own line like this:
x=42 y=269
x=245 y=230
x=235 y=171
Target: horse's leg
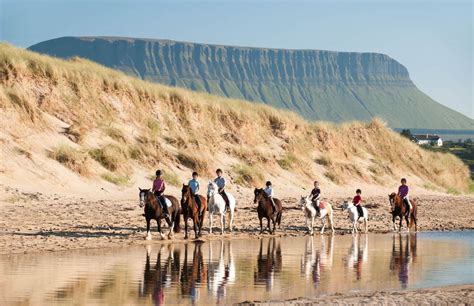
x=201 y=221
x=269 y=225
x=148 y=234
x=185 y=226
x=323 y=225
x=170 y=234
x=210 y=222
x=400 y=225
x=354 y=226
x=261 y=226
x=222 y=223
x=331 y=220
x=195 y=226
x=365 y=223
x=231 y=221
x=158 y=222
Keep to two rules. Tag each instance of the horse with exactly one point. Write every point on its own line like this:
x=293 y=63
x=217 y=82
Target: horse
x=326 y=212
x=354 y=215
x=265 y=209
x=216 y=205
x=190 y=210
x=398 y=209
x=154 y=211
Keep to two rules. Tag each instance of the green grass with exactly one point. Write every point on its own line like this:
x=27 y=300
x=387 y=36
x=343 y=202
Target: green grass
x=169 y=177
x=287 y=161
x=119 y=180
x=71 y=158
x=115 y=134
x=324 y=160
x=111 y=157
x=333 y=177
x=193 y=162
x=247 y=176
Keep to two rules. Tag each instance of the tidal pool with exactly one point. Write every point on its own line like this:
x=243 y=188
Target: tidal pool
x=225 y=272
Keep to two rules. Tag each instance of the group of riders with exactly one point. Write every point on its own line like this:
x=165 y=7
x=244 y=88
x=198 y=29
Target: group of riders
x=159 y=186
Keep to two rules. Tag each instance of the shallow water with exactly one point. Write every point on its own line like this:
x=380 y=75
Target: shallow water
x=225 y=272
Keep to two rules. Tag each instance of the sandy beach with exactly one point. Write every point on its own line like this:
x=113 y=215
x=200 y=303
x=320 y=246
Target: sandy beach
x=452 y=295
x=35 y=222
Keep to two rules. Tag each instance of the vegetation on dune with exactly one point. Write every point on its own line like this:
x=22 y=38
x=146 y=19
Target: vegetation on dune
x=150 y=125
x=117 y=179
x=72 y=158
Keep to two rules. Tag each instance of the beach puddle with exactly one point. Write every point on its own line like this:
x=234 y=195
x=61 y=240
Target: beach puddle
x=224 y=272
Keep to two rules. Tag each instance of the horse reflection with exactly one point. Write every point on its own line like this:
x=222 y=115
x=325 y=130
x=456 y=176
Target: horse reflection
x=403 y=256
x=221 y=272
x=314 y=262
x=358 y=254
x=160 y=276
x=268 y=264
x=194 y=274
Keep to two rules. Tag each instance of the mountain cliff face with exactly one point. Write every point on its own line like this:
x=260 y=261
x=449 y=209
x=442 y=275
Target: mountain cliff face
x=320 y=85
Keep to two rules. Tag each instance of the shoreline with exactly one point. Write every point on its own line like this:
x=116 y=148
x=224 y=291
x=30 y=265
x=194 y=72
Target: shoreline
x=49 y=224
x=452 y=294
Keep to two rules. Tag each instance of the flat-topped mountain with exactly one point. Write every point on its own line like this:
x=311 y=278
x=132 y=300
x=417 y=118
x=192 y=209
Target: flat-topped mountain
x=320 y=85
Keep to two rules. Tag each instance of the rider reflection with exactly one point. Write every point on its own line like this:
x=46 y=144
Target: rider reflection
x=268 y=264
x=314 y=262
x=221 y=272
x=194 y=274
x=358 y=254
x=403 y=256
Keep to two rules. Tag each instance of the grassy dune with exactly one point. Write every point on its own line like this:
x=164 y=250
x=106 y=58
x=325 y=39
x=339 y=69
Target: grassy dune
x=116 y=124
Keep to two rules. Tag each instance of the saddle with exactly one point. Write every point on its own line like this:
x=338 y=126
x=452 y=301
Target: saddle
x=322 y=205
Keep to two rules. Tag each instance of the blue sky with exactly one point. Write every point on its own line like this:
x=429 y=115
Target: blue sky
x=433 y=39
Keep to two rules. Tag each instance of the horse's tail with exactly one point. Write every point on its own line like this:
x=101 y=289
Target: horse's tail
x=413 y=217
x=177 y=218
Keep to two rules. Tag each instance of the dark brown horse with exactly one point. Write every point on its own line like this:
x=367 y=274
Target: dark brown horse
x=268 y=263
x=399 y=209
x=265 y=209
x=190 y=210
x=154 y=211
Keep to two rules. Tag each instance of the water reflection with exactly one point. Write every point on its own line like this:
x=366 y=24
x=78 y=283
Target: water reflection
x=358 y=254
x=317 y=260
x=268 y=263
x=403 y=256
x=221 y=273
x=226 y=272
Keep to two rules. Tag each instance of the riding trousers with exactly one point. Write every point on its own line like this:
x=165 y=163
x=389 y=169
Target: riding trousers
x=162 y=201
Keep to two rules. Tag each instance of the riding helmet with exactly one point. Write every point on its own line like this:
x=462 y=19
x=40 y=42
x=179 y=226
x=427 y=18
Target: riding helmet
x=219 y=170
x=268 y=183
x=158 y=172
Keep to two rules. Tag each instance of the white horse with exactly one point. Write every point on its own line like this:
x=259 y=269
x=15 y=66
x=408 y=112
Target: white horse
x=216 y=205
x=354 y=215
x=310 y=213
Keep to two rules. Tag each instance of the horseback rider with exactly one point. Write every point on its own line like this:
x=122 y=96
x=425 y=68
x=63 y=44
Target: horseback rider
x=194 y=186
x=220 y=182
x=158 y=189
x=403 y=193
x=357 y=201
x=315 y=196
x=269 y=192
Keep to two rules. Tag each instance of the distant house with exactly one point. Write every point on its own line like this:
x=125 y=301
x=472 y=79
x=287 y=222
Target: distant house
x=427 y=139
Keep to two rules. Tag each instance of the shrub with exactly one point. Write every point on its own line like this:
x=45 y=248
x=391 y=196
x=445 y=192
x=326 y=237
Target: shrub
x=247 y=175
x=333 y=177
x=287 y=161
x=111 y=156
x=193 y=162
x=119 y=180
x=115 y=134
x=324 y=160
x=71 y=158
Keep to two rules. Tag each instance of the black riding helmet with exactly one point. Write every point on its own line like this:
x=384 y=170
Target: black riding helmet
x=358 y=191
x=268 y=183
x=219 y=170
x=158 y=172
x=195 y=173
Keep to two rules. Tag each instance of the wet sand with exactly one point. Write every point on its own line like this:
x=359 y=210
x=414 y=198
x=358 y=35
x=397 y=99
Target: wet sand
x=33 y=222
x=453 y=295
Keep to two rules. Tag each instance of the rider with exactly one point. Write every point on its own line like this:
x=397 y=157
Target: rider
x=315 y=196
x=220 y=182
x=357 y=201
x=194 y=185
x=403 y=193
x=269 y=192
x=158 y=189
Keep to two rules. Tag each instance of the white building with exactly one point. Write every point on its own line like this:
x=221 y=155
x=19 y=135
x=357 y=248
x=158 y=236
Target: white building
x=427 y=139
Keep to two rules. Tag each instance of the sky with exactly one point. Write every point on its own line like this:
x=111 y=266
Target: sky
x=433 y=39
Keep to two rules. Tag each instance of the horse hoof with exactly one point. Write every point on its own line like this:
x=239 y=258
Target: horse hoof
x=148 y=238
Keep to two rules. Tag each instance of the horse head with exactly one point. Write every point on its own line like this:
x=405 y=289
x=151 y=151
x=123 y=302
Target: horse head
x=142 y=194
x=185 y=193
x=392 y=198
x=258 y=192
x=345 y=205
x=304 y=202
x=212 y=189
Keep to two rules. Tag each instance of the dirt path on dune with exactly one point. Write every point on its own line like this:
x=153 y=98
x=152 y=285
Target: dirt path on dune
x=36 y=222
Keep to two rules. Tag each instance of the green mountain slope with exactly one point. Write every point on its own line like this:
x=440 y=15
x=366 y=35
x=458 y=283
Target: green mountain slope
x=320 y=85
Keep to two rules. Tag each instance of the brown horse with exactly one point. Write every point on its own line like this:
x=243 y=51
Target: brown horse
x=154 y=211
x=265 y=209
x=399 y=209
x=190 y=210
